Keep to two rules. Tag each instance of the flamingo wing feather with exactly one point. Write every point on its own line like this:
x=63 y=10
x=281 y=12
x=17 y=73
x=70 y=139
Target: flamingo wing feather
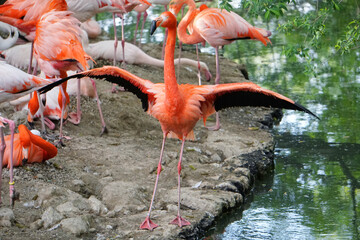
x=250 y=94
x=138 y=86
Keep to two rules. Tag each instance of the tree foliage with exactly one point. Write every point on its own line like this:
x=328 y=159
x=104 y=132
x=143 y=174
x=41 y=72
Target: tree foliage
x=314 y=19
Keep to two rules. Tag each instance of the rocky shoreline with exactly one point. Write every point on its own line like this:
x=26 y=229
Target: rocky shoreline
x=100 y=187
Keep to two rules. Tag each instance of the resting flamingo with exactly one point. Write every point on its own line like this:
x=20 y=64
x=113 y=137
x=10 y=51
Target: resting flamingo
x=179 y=107
x=216 y=26
x=134 y=55
x=14 y=84
x=12 y=36
x=28 y=148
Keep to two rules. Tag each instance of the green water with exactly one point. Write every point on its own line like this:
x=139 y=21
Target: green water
x=314 y=190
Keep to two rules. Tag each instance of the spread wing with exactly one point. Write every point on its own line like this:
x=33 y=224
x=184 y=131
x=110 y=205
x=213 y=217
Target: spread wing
x=138 y=86
x=247 y=94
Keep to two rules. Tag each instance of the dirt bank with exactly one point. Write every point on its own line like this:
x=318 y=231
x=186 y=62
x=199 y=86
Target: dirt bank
x=100 y=187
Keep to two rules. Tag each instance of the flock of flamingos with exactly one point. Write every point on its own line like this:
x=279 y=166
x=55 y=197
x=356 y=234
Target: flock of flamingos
x=59 y=46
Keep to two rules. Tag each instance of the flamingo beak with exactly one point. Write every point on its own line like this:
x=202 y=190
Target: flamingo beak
x=153 y=27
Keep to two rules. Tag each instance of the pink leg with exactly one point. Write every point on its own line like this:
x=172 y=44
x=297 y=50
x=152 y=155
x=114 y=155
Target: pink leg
x=197 y=55
x=217 y=80
x=138 y=17
x=41 y=109
x=113 y=89
x=148 y=224
x=123 y=41
x=103 y=129
x=76 y=117
x=2 y=150
x=178 y=220
x=142 y=26
x=62 y=116
x=31 y=57
x=13 y=195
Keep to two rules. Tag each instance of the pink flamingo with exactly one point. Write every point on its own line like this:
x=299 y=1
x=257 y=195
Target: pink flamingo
x=216 y=26
x=57 y=49
x=14 y=84
x=179 y=107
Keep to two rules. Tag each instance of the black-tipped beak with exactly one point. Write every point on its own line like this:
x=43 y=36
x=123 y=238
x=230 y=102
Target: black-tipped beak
x=153 y=27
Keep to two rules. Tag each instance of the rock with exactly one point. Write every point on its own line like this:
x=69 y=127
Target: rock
x=97 y=206
x=68 y=209
x=6 y=217
x=76 y=226
x=215 y=158
x=50 y=217
x=37 y=224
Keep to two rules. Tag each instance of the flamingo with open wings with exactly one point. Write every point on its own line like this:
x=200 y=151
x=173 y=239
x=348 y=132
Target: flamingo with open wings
x=179 y=107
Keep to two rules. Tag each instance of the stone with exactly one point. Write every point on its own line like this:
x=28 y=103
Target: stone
x=37 y=224
x=50 y=217
x=68 y=209
x=6 y=217
x=76 y=225
x=97 y=206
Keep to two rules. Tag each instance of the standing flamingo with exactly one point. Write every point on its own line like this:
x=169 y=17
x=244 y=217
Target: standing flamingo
x=57 y=49
x=14 y=84
x=179 y=107
x=216 y=26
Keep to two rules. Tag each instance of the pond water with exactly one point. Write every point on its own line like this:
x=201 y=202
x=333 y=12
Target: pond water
x=314 y=189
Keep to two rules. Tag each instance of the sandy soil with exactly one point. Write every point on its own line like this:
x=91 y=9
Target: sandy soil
x=100 y=187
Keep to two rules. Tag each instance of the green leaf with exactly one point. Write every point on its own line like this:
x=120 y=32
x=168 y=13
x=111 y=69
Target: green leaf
x=267 y=15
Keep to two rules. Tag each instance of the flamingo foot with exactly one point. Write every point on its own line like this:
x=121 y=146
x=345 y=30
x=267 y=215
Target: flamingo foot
x=180 y=221
x=148 y=224
x=217 y=124
x=104 y=130
x=74 y=118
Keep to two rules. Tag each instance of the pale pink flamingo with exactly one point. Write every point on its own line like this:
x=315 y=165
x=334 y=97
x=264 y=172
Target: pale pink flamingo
x=14 y=84
x=24 y=14
x=92 y=28
x=218 y=27
x=179 y=107
x=57 y=49
x=134 y=55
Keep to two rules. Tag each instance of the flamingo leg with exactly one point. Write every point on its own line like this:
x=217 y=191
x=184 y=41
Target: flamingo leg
x=178 y=220
x=197 y=55
x=2 y=150
x=31 y=57
x=148 y=224
x=62 y=116
x=13 y=195
x=113 y=89
x=41 y=109
x=217 y=80
x=76 y=117
x=103 y=124
x=123 y=40
x=138 y=17
x=142 y=26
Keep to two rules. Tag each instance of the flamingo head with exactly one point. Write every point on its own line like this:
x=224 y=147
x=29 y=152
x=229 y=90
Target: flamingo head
x=165 y=20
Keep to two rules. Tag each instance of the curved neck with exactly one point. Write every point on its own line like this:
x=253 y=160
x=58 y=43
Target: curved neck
x=183 y=35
